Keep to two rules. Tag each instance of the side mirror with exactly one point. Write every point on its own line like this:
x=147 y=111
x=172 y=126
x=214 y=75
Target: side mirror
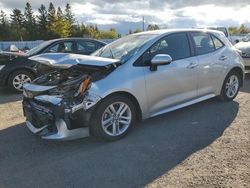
x=160 y=59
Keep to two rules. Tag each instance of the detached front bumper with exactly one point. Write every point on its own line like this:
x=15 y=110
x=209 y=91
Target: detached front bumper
x=47 y=117
x=63 y=133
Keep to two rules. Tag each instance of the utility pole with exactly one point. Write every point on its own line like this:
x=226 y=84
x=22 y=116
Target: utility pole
x=143 y=23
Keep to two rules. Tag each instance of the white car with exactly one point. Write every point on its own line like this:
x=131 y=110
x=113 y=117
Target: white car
x=244 y=47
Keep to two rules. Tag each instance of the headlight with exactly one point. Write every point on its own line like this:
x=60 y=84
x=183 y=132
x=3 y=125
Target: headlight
x=1 y=67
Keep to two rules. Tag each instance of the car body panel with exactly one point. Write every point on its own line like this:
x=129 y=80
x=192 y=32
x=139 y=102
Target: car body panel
x=165 y=87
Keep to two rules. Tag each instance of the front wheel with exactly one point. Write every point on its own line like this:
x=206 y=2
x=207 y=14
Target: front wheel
x=113 y=118
x=230 y=87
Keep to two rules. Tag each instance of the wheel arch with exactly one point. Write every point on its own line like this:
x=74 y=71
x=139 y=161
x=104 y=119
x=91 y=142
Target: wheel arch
x=19 y=69
x=240 y=72
x=133 y=99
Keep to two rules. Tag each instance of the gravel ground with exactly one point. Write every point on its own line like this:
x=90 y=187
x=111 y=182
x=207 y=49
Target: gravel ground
x=204 y=145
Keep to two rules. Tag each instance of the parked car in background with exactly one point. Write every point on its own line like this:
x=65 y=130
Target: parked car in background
x=16 y=69
x=223 y=30
x=136 y=77
x=244 y=47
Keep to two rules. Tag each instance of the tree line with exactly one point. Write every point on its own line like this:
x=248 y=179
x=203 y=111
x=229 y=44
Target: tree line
x=239 y=30
x=48 y=24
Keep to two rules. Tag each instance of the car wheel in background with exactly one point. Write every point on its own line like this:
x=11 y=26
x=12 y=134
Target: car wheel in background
x=18 y=78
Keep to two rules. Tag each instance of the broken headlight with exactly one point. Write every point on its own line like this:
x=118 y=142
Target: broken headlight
x=72 y=88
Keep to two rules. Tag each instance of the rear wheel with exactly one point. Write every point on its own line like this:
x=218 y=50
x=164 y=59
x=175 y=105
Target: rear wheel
x=113 y=118
x=18 y=78
x=230 y=87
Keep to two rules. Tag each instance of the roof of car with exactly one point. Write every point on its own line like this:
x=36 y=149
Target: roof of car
x=76 y=38
x=165 y=31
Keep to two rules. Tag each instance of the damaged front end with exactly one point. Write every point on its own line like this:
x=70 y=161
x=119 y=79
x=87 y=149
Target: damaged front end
x=58 y=105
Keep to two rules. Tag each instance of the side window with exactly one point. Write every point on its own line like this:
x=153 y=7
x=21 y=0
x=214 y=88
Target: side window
x=217 y=43
x=86 y=47
x=175 y=45
x=62 y=47
x=203 y=43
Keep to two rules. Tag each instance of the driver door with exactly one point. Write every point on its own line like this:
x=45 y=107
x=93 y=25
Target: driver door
x=175 y=83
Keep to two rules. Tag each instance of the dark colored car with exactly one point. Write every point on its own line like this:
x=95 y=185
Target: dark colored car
x=17 y=69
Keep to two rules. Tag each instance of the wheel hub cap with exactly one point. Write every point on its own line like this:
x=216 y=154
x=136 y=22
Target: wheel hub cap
x=116 y=119
x=20 y=80
x=232 y=86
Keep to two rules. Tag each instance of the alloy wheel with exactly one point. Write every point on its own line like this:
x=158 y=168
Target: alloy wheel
x=116 y=119
x=232 y=86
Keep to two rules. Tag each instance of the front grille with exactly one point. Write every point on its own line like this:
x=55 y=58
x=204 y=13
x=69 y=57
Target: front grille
x=37 y=114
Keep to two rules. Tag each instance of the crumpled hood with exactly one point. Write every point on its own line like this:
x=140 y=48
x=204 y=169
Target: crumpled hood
x=65 y=61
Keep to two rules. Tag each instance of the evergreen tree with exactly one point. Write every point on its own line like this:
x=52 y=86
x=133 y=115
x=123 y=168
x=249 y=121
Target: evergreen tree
x=69 y=16
x=4 y=26
x=17 y=24
x=30 y=22
x=51 y=20
x=42 y=20
x=60 y=27
x=59 y=14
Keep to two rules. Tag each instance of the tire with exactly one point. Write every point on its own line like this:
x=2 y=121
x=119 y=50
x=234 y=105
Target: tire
x=18 y=78
x=225 y=91
x=102 y=114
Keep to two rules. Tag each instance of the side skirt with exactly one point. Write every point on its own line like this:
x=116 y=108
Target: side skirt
x=179 y=106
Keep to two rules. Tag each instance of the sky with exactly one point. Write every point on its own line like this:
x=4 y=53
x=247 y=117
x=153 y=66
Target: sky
x=127 y=14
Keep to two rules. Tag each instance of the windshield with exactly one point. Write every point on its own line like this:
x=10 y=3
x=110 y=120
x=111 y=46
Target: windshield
x=35 y=50
x=124 y=48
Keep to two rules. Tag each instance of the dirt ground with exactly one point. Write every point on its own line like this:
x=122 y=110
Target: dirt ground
x=205 y=145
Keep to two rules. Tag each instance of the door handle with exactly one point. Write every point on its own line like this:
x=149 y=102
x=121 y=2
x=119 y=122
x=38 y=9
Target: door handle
x=192 y=65
x=223 y=58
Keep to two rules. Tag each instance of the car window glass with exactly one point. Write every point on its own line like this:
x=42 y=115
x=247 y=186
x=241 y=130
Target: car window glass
x=86 y=46
x=217 y=43
x=175 y=45
x=62 y=47
x=203 y=43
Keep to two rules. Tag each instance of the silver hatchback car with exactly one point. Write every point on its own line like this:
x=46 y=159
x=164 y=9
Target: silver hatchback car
x=136 y=77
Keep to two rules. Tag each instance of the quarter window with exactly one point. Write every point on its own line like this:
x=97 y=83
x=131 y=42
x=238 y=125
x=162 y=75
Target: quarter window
x=217 y=43
x=203 y=43
x=175 y=45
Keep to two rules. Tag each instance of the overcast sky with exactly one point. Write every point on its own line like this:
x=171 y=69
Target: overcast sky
x=126 y=14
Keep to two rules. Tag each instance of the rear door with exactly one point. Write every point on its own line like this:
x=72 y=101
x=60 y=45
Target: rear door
x=212 y=56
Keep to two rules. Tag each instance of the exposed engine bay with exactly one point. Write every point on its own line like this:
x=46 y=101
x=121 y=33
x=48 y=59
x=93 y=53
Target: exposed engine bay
x=58 y=102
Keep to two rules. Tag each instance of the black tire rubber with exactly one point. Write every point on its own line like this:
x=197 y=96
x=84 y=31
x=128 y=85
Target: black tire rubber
x=95 y=123
x=14 y=74
x=223 y=96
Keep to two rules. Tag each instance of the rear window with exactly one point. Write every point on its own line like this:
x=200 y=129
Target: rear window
x=217 y=43
x=203 y=43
